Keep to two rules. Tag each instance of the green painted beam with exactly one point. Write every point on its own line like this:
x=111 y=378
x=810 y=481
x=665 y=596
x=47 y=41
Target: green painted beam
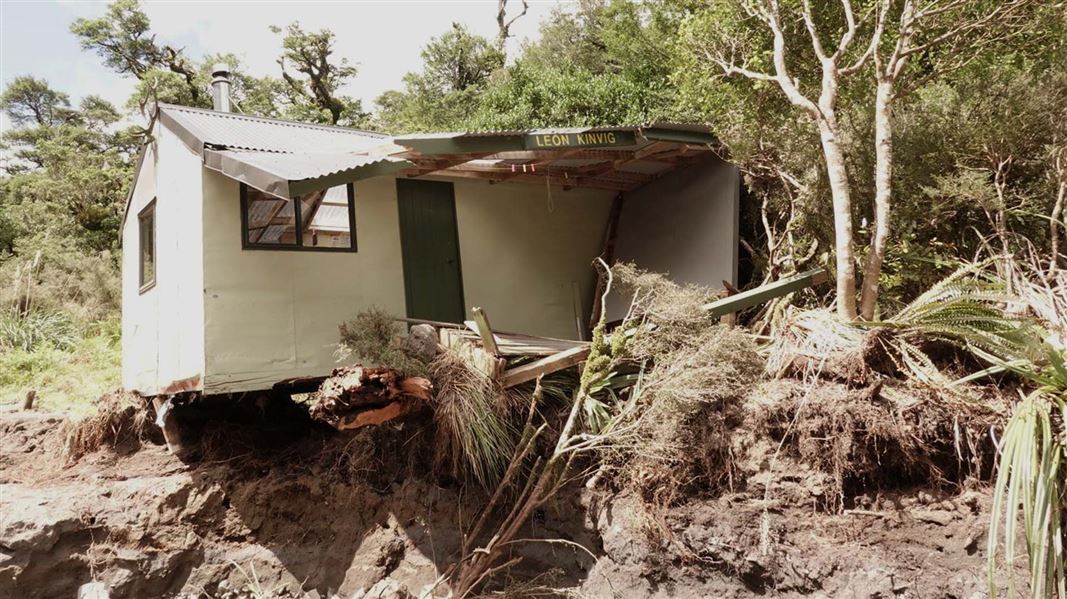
x=759 y=295
x=489 y=144
x=539 y=140
x=675 y=135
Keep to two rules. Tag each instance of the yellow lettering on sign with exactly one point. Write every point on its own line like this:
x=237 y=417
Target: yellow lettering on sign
x=611 y=137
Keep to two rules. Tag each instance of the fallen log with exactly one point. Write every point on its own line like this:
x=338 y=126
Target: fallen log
x=355 y=396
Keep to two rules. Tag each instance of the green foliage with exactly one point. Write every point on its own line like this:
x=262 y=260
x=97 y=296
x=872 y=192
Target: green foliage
x=1030 y=476
x=30 y=330
x=457 y=66
x=375 y=338
x=313 y=94
x=68 y=379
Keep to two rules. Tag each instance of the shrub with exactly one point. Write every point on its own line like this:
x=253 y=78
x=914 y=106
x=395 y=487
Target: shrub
x=375 y=338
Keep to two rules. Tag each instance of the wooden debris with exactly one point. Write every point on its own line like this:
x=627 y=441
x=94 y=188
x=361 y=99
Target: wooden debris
x=547 y=365
x=759 y=295
x=486 y=331
x=355 y=396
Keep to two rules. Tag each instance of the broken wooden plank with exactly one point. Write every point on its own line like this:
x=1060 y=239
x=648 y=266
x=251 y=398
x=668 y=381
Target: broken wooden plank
x=437 y=324
x=486 y=331
x=753 y=297
x=515 y=344
x=546 y=365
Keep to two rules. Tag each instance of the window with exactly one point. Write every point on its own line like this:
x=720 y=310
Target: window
x=147 y=246
x=316 y=221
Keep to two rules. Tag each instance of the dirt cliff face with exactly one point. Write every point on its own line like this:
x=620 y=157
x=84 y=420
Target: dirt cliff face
x=305 y=519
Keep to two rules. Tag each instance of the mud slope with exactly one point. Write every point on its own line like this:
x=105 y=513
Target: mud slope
x=143 y=524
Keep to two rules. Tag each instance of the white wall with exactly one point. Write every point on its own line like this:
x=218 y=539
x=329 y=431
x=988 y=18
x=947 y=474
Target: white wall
x=272 y=315
x=521 y=257
x=179 y=226
x=139 y=311
x=162 y=328
x=684 y=224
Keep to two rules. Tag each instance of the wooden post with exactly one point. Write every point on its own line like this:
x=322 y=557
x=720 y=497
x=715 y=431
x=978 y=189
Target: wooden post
x=731 y=318
x=488 y=342
x=31 y=395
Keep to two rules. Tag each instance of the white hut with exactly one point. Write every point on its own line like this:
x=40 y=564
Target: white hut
x=249 y=240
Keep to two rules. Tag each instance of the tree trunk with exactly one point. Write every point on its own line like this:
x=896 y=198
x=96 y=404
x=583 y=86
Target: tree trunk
x=842 y=201
x=883 y=195
x=1054 y=228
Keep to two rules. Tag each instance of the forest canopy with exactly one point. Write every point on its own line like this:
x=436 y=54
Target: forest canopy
x=974 y=103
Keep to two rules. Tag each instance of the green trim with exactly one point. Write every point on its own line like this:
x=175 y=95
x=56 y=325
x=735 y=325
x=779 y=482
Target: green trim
x=377 y=169
x=547 y=139
x=686 y=137
x=759 y=295
x=462 y=145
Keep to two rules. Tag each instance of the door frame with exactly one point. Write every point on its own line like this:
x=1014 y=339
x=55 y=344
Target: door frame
x=455 y=234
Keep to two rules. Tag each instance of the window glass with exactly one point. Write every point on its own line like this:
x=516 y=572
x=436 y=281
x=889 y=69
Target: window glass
x=326 y=216
x=147 y=245
x=325 y=220
x=270 y=219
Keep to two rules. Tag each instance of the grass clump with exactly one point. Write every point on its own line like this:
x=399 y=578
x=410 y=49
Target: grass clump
x=68 y=378
x=120 y=422
x=33 y=329
x=473 y=435
x=696 y=372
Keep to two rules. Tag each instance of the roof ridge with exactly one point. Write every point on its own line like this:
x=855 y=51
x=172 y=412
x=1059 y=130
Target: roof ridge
x=282 y=122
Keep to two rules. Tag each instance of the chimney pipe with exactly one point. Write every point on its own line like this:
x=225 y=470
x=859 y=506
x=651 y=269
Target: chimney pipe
x=220 y=87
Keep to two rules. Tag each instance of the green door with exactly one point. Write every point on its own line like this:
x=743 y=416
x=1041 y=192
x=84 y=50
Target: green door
x=429 y=242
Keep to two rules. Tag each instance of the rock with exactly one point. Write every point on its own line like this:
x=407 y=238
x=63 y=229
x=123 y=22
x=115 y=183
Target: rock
x=940 y=517
x=387 y=588
x=422 y=342
x=93 y=590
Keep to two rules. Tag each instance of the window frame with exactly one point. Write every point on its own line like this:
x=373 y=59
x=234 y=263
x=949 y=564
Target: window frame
x=149 y=211
x=299 y=245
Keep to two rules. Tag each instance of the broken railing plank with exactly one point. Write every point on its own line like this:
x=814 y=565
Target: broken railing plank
x=486 y=331
x=753 y=297
x=546 y=365
x=437 y=324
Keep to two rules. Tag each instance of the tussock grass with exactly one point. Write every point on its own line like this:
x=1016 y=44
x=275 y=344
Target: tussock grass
x=474 y=437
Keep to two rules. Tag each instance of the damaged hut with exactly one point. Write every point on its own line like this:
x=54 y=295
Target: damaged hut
x=248 y=240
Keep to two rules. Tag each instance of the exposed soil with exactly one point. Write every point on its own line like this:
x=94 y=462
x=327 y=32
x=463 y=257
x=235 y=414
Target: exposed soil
x=304 y=512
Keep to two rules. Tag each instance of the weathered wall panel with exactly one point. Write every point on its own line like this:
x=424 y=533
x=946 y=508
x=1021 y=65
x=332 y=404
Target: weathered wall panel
x=180 y=278
x=162 y=328
x=684 y=224
x=140 y=313
x=522 y=252
x=272 y=315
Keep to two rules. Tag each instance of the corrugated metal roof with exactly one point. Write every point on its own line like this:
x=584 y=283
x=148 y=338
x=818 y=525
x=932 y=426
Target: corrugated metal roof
x=238 y=131
x=289 y=175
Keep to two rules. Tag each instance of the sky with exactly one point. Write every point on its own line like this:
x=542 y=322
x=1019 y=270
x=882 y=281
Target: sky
x=382 y=38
